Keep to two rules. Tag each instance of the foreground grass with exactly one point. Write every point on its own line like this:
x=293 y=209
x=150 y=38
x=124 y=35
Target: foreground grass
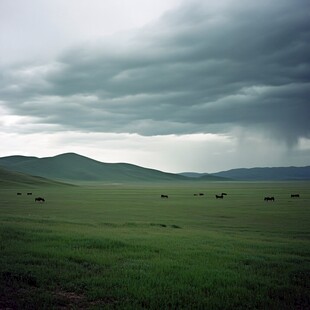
x=125 y=247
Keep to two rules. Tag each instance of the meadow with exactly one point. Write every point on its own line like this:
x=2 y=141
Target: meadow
x=124 y=247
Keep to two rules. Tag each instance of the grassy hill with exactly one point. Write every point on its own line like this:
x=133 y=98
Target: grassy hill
x=75 y=167
x=9 y=179
x=72 y=167
x=267 y=174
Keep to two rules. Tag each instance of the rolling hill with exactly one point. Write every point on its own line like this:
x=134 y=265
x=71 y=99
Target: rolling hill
x=74 y=167
x=267 y=174
x=71 y=167
x=10 y=179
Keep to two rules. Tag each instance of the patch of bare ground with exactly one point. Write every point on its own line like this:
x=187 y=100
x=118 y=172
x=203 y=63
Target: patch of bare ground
x=18 y=298
x=8 y=299
x=73 y=300
x=67 y=300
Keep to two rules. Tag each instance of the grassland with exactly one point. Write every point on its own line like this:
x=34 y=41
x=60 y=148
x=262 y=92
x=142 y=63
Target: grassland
x=122 y=246
x=12 y=179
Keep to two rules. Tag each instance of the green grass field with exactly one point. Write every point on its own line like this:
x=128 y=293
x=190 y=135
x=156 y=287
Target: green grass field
x=124 y=247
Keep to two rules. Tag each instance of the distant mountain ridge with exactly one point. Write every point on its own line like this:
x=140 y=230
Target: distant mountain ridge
x=258 y=174
x=267 y=174
x=70 y=167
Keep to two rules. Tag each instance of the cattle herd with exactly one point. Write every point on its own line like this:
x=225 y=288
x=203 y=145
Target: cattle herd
x=37 y=199
x=221 y=196
x=217 y=196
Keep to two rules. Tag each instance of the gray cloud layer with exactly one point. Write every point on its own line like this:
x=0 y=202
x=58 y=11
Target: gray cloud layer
x=200 y=68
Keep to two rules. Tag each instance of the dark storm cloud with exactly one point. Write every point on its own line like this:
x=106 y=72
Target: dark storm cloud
x=200 y=68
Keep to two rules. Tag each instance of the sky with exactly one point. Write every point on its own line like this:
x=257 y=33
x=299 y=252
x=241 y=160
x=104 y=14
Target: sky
x=173 y=85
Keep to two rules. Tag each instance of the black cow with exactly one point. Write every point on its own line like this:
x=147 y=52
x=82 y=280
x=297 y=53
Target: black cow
x=39 y=199
x=29 y=194
x=164 y=196
x=295 y=196
x=269 y=199
x=219 y=196
x=224 y=194
x=18 y=194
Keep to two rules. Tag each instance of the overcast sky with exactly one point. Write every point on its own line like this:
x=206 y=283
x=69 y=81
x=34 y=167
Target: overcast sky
x=174 y=85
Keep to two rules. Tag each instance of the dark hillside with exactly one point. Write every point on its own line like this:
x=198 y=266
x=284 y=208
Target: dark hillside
x=9 y=179
x=75 y=167
x=15 y=160
x=268 y=174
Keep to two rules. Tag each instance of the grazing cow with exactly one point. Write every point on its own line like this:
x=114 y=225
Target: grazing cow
x=18 y=194
x=219 y=196
x=269 y=199
x=201 y=194
x=295 y=196
x=224 y=194
x=164 y=196
x=29 y=194
x=39 y=199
